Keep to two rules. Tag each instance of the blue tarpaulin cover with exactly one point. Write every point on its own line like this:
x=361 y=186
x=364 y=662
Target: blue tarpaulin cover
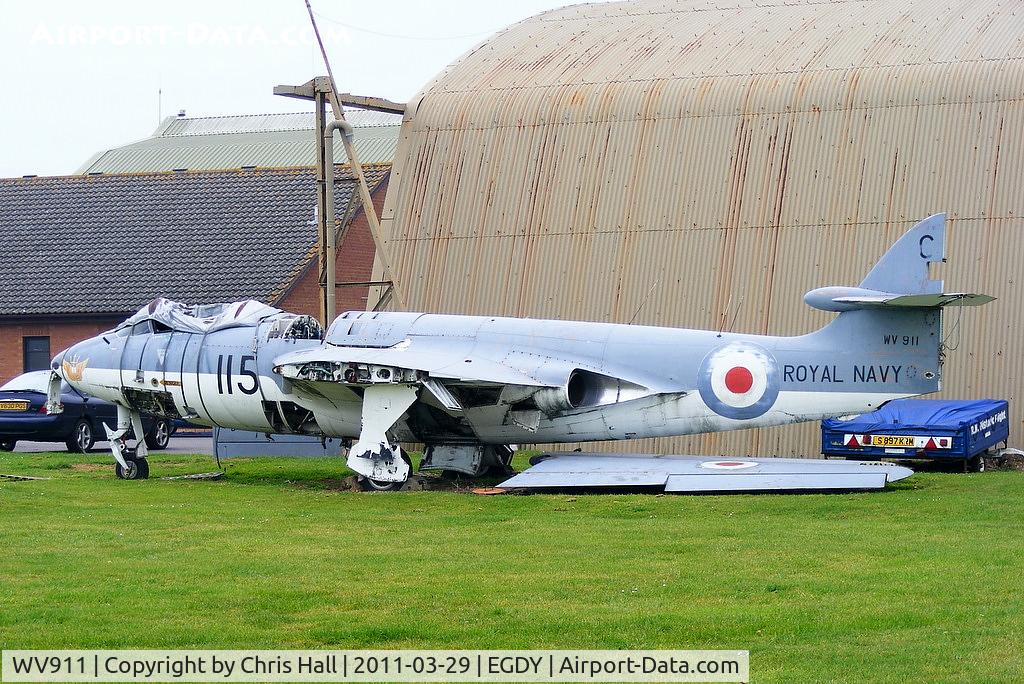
x=918 y=414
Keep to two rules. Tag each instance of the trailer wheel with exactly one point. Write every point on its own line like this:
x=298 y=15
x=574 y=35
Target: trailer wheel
x=977 y=464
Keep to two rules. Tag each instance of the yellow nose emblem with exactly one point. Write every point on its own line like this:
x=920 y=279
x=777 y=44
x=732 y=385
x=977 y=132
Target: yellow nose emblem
x=73 y=368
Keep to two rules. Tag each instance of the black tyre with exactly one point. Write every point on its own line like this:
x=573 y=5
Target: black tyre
x=160 y=435
x=369 y=485
x=977 y=464
x=8 y=444
x=82 y=438
x=138 y=469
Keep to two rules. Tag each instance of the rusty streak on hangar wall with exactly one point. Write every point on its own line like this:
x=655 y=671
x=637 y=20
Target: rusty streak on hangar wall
x=731 y=155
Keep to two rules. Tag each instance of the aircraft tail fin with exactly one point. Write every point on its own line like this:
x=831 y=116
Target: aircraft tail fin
x=904 y=267
x=893 y=319
x=900 y=279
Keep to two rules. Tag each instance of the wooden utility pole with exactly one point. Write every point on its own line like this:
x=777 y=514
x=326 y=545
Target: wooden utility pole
x=321 y=91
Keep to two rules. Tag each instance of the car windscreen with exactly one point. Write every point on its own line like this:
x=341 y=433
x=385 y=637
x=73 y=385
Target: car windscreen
x=36 y=381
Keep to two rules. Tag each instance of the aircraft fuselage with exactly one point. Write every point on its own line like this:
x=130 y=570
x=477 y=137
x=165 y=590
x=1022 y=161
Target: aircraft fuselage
x=514 y=380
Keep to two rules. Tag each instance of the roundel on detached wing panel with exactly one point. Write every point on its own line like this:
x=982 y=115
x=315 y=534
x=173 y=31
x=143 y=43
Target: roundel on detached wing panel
x=729 y=465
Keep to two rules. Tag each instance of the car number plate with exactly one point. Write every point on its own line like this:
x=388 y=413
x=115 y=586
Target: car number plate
x=891 y=441
x=13 y=405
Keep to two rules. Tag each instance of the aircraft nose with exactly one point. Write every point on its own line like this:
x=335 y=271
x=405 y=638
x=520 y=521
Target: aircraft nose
x=57 y=362
x=70 y=363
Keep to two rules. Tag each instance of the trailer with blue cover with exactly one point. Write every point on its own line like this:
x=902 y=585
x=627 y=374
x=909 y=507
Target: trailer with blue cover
x=921 y=429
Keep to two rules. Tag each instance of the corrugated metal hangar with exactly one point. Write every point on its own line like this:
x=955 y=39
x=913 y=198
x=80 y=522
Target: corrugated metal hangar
x=704 y=164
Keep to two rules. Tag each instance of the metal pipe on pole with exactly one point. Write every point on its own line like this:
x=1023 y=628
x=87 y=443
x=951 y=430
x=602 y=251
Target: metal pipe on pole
x=322 y=204
x=331 y=246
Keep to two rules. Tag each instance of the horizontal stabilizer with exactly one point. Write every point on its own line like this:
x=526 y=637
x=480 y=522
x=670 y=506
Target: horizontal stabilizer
x=852 y=298
x=699 y=474
x=919 y=301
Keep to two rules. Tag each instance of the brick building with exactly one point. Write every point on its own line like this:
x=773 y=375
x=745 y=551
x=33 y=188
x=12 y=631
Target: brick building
x=80 y=253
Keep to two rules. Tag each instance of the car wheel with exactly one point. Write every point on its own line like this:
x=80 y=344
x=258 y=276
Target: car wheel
x=160 y=435
x=977 y=464
x=138 y=469
x=82 y=438
x=7 y=444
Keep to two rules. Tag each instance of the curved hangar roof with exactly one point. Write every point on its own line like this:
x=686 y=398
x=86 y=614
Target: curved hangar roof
x=703 y=164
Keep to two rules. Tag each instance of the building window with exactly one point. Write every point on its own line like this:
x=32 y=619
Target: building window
x=36 y=353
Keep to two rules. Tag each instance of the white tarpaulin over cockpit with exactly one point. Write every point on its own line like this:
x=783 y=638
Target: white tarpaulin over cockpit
x=201 y=317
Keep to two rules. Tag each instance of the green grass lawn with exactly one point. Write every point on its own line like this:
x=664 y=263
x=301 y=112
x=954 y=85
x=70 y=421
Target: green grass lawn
x=921 y=582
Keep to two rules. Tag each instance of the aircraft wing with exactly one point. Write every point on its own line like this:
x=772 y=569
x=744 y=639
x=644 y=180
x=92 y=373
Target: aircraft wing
x=467 y=361
x=455 y=363
x=703 y=474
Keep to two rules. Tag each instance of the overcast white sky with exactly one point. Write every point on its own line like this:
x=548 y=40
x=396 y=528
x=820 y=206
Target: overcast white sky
x=81 y=76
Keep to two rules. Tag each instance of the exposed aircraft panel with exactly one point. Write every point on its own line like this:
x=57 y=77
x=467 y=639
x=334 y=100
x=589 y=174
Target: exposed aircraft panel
x=704 y=165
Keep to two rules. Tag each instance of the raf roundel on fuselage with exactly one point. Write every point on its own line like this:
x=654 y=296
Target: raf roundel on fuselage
x=739 y=381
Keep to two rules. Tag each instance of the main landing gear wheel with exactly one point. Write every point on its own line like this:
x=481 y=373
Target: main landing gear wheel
x=160 y=435
x=138 y=469
x=82 y=439
x=503 y=467
x=369 y=485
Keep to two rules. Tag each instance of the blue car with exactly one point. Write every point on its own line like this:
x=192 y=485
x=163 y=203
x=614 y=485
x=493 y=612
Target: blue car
x=23 y=415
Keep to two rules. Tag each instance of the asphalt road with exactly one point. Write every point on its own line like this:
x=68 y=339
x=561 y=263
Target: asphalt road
x=178 y=445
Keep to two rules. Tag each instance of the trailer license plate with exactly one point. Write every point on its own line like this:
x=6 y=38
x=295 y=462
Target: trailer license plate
x=13 y=405
x=891 y=441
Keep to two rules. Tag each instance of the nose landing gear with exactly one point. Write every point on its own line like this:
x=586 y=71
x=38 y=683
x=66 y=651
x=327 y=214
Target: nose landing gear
x=135 y=468
x=131 y=464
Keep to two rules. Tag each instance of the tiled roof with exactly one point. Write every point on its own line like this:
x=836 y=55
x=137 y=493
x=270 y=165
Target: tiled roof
x=110 y=243
x=231 y=142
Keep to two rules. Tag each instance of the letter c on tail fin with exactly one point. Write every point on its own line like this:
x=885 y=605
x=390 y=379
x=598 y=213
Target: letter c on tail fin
x=904 y=268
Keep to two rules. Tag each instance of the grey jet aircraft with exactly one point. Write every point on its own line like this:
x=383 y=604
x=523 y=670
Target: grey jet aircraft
x=469 y=387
